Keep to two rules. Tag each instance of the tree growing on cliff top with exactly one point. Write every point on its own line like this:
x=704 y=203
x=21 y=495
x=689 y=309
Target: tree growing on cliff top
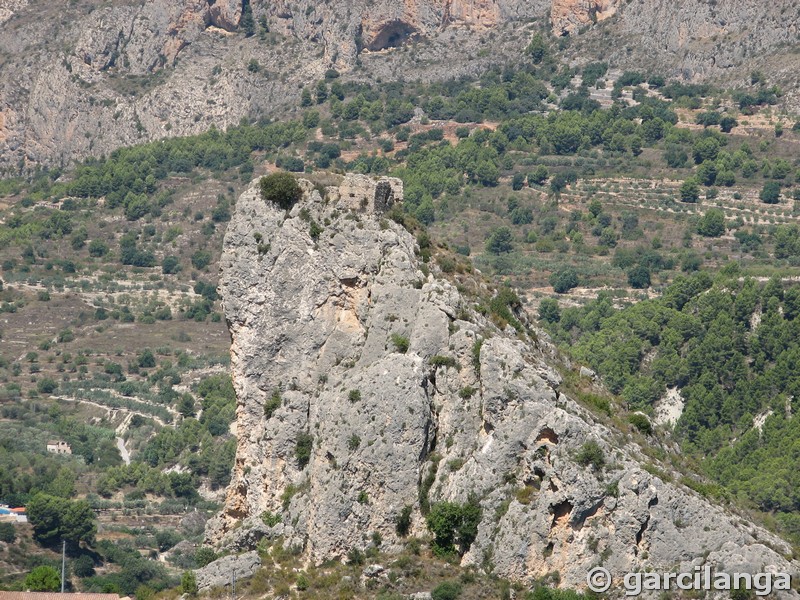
x=281 y=189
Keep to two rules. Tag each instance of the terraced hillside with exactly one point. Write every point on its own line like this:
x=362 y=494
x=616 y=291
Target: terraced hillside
x=566 y=182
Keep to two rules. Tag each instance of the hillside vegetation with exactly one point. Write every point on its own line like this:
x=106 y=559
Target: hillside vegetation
x=652 y=225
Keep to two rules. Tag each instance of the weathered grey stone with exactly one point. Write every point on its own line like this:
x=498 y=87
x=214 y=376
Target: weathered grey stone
x=182 y=548
x=312 y=320
x=54 y=53
x=587 y=372
x=372 y=571
x=220 y=572
x=193 y=523
x=226 y=14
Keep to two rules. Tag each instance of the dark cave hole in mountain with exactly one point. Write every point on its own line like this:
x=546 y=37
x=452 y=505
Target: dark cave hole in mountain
x=393 y=35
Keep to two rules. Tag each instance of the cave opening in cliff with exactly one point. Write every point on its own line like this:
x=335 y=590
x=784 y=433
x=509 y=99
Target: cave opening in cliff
x=392 y=35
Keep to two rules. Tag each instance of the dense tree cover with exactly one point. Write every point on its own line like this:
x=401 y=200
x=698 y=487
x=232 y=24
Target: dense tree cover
x=55 y=519
x=27 y=469
x=731 y=347
x=136 y=170
x=43 y=578
x=134 y=570
x=203 y=446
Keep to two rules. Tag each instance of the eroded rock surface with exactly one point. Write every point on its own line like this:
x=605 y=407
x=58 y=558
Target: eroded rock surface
x=568 y=16
x=84 y=79
x=408 y=396
x=220 y=573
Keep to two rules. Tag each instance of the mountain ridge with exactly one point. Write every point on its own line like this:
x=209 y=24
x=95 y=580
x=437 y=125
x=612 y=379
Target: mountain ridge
x=123 y=73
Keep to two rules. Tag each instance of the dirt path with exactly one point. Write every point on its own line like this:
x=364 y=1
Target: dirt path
x=123 y=427
x=111 y=409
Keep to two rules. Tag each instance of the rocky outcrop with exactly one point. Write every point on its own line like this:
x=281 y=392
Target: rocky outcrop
x=226 y=14
x=367 y=385
x=568 y=16
x=220 y=573
x=392 y=24
x=9 y=7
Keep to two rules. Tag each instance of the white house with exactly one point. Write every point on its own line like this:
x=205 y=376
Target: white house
x=59 y=447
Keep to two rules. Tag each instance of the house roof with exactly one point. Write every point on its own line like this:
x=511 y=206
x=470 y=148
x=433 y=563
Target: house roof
x=53 y=596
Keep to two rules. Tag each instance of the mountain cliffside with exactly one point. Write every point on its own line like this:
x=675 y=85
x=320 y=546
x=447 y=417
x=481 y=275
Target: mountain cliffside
x=83 y=78
x=366 y=386
x=568 y=16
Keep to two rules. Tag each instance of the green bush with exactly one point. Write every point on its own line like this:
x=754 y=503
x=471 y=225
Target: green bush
x=270 y=519
x=272 y=404
x=83 y=566
x=770 y=193
x=7 y=533
x=302 y=449
x=549 y=311
x=98 y=248
x=564 y=280
x=401 y=343
x=189 y=583
x=447 y=590
x=46 y=385
x=201 y=259
x=690 y=191
x=204 y=556
x=639 y=277
x=170 y=265
x=591 y=454
x=43 y=579
x=454 y=526
x=641 y=422
x=403 y=521
x=500 y=241
x=281 y=189
x=443 y=361
x=712 y=224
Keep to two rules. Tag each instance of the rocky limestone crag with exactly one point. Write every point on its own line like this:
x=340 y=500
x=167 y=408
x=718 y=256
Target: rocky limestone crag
x=319 y=325
x=9 y=7
x=219 y=573
x=390 y=24
x=84 y=80
x=568 y=16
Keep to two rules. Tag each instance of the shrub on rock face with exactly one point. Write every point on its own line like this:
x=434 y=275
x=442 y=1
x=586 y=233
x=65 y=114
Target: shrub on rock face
x=454 y=526
x=591 y=454
x=403 y=521
x=281 y=189
x=303 y=449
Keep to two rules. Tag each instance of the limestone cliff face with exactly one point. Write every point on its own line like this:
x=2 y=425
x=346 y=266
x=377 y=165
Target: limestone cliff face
x=391 y=23
x=9 y=7
x=318 y=325
x=83 y=80
x=568 y=16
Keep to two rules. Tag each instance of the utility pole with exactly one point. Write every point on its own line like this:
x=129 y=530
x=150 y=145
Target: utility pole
x=63 y=563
